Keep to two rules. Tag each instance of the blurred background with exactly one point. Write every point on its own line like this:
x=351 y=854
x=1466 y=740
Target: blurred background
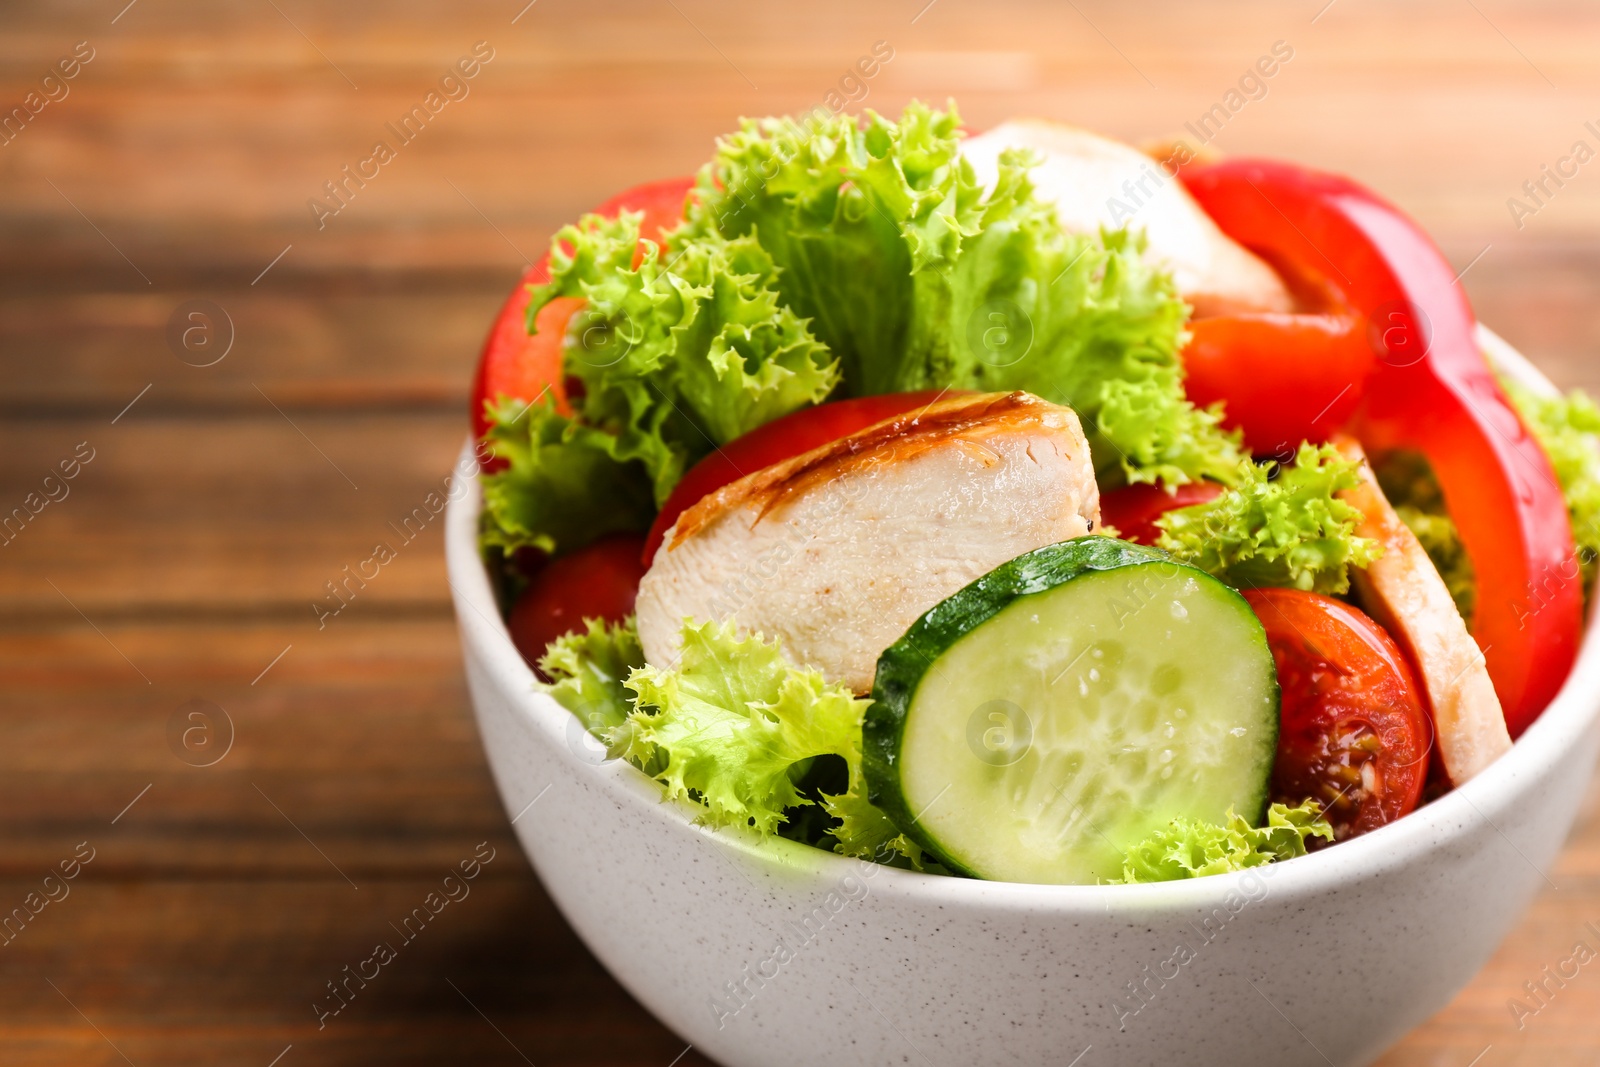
x=249 y=798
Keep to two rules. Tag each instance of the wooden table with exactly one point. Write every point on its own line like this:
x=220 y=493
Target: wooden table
x=182 y=563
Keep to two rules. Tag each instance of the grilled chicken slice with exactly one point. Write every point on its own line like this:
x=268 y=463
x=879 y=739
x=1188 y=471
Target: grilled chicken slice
x=1404 y=592
x=1095 y=181
x=839 y=550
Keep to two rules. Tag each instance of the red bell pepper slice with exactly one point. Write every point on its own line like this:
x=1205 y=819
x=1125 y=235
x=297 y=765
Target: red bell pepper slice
x=1433 y=392
x=1283 y=378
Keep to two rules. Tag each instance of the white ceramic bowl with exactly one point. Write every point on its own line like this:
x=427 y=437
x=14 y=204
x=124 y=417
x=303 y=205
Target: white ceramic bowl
x=774 y=954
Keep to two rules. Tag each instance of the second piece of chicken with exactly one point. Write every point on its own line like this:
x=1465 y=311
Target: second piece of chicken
x=1096 y=182
x=1403 y=590
x=839 y=550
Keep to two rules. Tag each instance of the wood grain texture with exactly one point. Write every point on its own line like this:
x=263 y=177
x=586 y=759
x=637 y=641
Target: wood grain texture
x=184 y=563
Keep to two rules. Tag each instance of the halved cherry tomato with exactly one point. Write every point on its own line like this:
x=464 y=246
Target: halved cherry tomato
x=1354 y=733
x=1133 y=510
x=521 y=366
x=799 y=431
x=597 y=581
x=1434 y=392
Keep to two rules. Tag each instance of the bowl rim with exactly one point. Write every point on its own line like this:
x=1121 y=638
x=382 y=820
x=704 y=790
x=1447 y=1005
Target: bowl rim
x=1428 y=829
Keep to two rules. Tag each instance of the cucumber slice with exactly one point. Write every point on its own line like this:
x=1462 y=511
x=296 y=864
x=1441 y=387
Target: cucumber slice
x=1056 y=711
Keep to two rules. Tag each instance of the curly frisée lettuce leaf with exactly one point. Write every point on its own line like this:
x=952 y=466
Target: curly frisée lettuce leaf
x=1190 y=849
x=1161 y=437
x=1278 y=526
x=1568 y=429
x=588 y=672
x=865 y=832
x=564 y=483
x=667 y=360
x=916 y=277
x=733 y=725
x=684 y=354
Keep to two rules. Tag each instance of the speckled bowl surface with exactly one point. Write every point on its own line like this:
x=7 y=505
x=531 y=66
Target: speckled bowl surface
x=773 y=954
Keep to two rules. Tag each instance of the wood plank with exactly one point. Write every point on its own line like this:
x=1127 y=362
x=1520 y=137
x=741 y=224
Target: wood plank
x=379 y=344
x=353 y=749
x=204 y=973
x=255 y=512
x=1546 y=301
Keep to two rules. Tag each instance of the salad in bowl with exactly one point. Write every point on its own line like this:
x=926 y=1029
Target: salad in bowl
x=1024 y=506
